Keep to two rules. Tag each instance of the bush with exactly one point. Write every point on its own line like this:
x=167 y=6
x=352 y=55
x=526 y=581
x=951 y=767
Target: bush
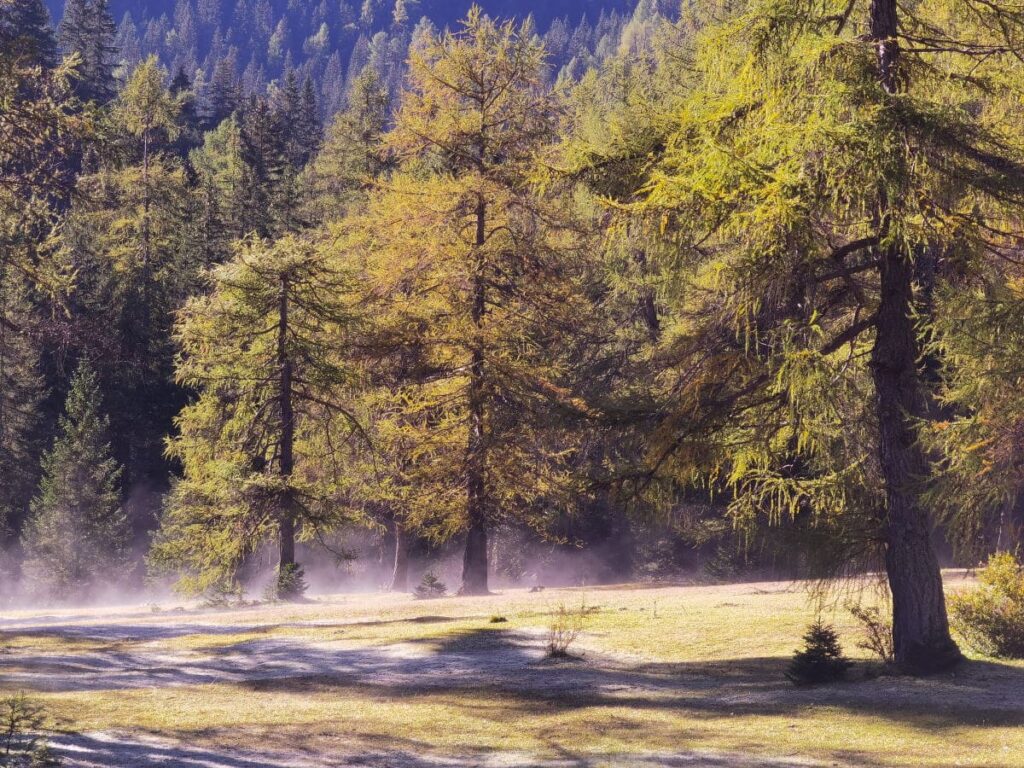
x=430 y=587
x=821 y=660
x=21 y=746
x=289 y=585
x=991 y=618
x=565 y=628
x=877 y=633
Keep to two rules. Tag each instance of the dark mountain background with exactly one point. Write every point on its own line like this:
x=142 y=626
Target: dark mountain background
x=256 y=42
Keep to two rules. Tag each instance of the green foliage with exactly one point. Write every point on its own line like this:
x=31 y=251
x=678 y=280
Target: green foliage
x=21 y=742
x=821 y=660
x=990 y=618
x=76 y=540
x=430 y=587
x=256 y=345
x=289 y=584
x=21 y=399
x=474 y=280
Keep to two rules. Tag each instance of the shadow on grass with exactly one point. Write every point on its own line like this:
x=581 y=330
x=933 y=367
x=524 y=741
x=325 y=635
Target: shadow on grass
x=499 y=674
x=113 y=751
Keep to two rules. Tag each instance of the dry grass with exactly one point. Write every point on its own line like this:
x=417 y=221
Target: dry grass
x=665 y=670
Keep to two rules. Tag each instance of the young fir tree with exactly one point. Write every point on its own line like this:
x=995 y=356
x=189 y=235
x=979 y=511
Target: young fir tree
x=353 y=154
x=264 y=445
x=220 y=179
x=471 y=264
x=76 y=540
x=822 y=162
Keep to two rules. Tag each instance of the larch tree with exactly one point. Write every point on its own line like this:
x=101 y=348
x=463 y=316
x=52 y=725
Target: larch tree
x=77 y=537
x=822 y=181
x=474 y=279
x=263 y=446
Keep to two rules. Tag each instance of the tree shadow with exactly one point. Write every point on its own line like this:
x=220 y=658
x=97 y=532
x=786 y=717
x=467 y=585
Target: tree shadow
x=499 y=674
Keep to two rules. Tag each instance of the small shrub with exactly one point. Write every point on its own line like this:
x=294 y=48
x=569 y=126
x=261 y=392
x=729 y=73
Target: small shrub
x=21 y=745
x=223 y=595
x=498 y=620
x=288 y=586
x=430 y=587
x=991 y=618
x=877 y=633
x=821 y=660
x=565 y=628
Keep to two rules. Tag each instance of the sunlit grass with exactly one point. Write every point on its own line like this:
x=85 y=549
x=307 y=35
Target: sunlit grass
x=663 y=670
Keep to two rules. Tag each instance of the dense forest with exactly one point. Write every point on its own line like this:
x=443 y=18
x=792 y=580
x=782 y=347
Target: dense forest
x=733 y=286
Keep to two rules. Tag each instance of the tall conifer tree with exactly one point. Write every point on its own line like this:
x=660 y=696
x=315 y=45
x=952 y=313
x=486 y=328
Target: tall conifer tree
x=76 y=540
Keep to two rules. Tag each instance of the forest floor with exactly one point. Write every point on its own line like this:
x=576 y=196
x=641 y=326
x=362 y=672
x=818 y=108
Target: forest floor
x=667 y=676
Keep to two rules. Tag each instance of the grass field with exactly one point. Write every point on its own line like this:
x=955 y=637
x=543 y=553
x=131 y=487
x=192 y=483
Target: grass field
x=688 y=676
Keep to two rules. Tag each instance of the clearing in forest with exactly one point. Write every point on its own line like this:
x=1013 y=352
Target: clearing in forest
x=668 y=676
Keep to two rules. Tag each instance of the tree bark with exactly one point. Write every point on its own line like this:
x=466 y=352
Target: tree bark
x=920 y=627
x=400 y=574
x=474 y=563
x=286 y=448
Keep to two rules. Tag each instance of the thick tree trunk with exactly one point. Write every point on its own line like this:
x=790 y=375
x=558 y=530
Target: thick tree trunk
x=474 y=564
x=920 y=627
x=400 y=574
x=286 y=511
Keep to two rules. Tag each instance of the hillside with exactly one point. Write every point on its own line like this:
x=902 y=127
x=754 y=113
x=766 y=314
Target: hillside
x=331 y=42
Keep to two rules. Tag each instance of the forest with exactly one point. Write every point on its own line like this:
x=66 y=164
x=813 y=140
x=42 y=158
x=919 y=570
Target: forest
x=727 y=289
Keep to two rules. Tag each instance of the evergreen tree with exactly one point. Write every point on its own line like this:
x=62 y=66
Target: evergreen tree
x=263 y=446
x=88 y=31
x=25 y=31
x=224 y=94
x=76 y=540
x=353 y=153
x=22 y=424
x=128 y=239
x=220 y=188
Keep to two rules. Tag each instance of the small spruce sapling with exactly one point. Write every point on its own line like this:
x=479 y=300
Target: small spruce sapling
x=430 y=587
x=821 y=660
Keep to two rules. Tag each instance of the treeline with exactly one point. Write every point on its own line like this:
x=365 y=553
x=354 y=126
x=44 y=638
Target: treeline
x=232 y=50
x=758 y=270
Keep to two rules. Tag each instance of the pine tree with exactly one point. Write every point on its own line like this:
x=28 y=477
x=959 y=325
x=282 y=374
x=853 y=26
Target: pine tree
x=89 y=31
x=220 y=188
x=26 y=32
x=264 y=445
x=224 y=94
x=76 y=540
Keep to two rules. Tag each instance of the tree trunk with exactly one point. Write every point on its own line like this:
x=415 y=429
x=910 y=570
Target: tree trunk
x=286 y=511
x=920 y=627
x=474 y=564
x=400 y=575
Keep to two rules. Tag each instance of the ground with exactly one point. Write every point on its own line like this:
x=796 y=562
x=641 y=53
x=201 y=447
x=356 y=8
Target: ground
x=670 y=676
